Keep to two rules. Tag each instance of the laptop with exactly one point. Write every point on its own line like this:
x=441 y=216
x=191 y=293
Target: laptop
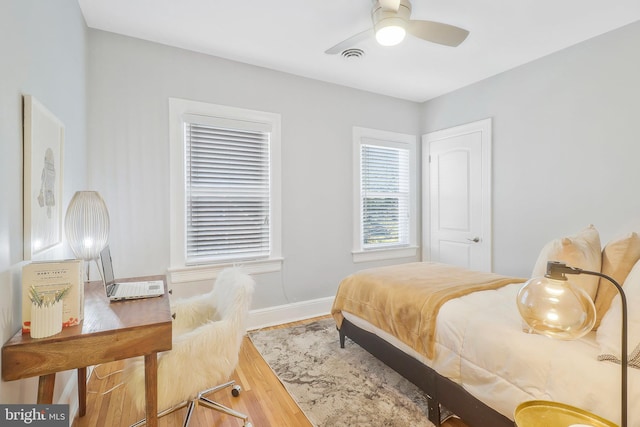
x=117 y=291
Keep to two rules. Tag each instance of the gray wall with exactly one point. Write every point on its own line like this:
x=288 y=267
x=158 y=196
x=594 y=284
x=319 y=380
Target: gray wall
x=42 y=53
x=130 y=82
x=565 y=144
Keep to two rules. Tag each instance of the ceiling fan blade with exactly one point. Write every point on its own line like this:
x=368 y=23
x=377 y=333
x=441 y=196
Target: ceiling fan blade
x=437 y=32
x=351 y=41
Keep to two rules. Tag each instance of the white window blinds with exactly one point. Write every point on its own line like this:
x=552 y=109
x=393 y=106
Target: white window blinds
x=227 y=190
x=385 y=192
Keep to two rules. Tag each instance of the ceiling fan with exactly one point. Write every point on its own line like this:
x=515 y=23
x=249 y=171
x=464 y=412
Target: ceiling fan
x=391 y=23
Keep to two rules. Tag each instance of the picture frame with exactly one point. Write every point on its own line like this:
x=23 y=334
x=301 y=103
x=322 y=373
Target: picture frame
x=43 y=178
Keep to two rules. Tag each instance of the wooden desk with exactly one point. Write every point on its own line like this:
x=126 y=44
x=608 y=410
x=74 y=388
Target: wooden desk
x=110 y=331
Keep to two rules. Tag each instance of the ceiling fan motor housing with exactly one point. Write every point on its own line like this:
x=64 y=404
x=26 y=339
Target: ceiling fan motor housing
x=383 y=17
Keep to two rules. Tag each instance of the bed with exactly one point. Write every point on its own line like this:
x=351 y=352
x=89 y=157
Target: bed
x=464 y=344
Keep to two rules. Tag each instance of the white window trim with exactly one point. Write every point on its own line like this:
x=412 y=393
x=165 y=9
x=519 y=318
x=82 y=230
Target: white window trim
x=178 y=108
x=388 y=139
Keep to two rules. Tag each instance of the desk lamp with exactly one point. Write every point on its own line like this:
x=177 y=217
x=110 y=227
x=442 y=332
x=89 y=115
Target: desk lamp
x=87 y=225
x=553 y=306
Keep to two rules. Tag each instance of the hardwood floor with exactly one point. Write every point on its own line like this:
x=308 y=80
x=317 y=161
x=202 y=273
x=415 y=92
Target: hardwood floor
x=263 y=398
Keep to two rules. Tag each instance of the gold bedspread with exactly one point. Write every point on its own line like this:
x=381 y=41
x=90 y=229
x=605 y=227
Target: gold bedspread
x=404 y=299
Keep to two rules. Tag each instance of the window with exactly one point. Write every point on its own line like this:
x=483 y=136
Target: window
x=385 y=205
x=225 y=174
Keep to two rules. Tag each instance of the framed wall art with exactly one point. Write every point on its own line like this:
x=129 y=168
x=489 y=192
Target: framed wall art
x=43 y=171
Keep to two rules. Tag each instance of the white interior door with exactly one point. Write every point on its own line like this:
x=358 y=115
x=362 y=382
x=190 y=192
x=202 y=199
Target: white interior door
x=457 y=196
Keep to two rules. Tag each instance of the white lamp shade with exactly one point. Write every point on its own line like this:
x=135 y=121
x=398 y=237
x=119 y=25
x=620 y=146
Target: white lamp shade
x=556 y=308
x=87 y=224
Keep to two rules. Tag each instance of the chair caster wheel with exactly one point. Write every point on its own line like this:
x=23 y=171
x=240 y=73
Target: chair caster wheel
x=235 y=391
x=248 y=424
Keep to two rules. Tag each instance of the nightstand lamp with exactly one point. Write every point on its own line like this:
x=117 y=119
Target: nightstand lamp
x=553 y=306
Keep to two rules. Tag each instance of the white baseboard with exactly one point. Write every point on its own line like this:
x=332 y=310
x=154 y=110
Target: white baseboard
x=70 y=395
x=289 y=313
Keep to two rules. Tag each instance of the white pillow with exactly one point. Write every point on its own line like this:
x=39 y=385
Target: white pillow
x=582 y=251
x=609 y=334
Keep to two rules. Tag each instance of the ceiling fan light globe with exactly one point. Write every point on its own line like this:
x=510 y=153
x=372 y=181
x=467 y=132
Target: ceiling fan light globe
x=390 y=32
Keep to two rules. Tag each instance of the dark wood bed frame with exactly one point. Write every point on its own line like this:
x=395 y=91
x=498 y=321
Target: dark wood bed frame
x=440 y=390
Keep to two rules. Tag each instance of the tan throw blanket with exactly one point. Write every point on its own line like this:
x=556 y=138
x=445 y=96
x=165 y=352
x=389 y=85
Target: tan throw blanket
x=404 y=299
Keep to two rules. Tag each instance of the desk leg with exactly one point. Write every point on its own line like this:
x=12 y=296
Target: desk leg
x=82 y=391
x=151 y=388
x=45 y=389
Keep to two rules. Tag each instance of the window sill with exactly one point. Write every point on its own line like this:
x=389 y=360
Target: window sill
x=381 y=254
x=207 y=272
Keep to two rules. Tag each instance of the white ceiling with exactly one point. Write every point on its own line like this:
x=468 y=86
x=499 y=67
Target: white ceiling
x=292 y=35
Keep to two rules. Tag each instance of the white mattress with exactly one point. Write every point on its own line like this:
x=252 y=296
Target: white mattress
x=480 y=345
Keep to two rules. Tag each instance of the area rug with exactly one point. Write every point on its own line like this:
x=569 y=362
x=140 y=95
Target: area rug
x=335 y=386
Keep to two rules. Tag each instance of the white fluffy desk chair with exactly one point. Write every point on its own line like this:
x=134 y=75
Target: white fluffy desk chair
x=207 y=334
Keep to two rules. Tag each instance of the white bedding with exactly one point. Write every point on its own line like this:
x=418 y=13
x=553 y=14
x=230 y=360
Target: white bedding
x=480 y=345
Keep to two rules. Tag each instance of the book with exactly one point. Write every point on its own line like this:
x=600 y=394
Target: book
x=49 y=277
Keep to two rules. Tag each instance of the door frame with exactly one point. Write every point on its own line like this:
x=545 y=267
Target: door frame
x=485 y=128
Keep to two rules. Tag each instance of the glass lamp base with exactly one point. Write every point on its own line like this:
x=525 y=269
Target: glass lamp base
x=542 y=413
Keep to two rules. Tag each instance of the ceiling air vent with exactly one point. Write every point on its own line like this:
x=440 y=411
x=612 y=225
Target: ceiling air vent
x=352 y=53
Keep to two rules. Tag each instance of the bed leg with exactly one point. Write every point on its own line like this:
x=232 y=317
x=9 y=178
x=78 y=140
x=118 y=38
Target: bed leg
x=342 y=336
x=434 y=411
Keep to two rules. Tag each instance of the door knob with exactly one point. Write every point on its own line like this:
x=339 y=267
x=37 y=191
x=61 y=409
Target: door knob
x=474 y=240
